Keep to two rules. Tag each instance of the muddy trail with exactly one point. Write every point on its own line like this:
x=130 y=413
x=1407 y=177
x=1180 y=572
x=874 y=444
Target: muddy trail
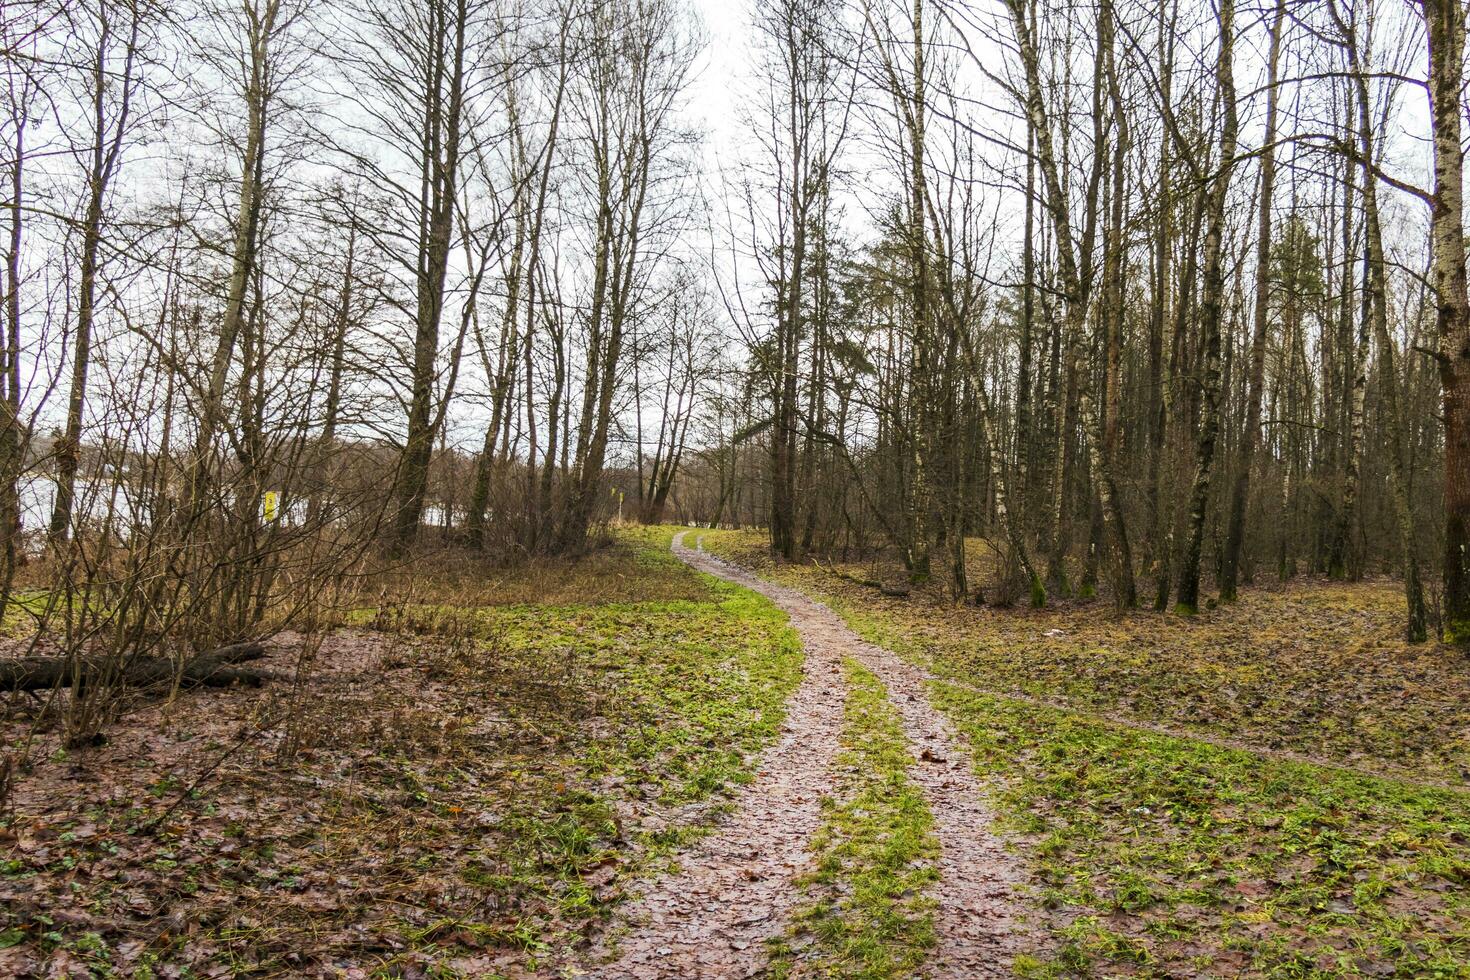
x=737 y=889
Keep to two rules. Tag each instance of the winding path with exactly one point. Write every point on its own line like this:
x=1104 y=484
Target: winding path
x=736 y=889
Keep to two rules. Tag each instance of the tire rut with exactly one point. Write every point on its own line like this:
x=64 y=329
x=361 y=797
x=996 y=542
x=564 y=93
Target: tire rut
x=976 y=924
x=736 y=889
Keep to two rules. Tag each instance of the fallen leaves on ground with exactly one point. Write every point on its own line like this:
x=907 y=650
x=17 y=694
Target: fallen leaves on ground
x=463 y=791
x=1314 y=667
x=1163 y=855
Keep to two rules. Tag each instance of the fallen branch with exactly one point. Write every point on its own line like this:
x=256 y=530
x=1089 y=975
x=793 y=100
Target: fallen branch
x=892 y=591
x=213 y=669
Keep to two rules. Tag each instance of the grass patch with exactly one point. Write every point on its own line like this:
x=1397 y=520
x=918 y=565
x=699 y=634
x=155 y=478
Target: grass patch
x=1163 y=857
x=1315 y=667
x=634 y=565
x=468 y=786
x=867 y=914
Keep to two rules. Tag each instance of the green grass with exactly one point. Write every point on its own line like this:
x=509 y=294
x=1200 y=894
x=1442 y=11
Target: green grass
x=685 y=693
x=525 y=765
x=1316 y=667
x=1167 y=856
x=1161 y=856
x=26 y=608
x=867 y=914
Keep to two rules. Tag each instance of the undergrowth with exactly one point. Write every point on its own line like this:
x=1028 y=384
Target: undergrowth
x=459 y=788
x=1160 y=856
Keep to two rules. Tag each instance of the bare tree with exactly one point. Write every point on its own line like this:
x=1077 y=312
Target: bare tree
x=249 y=54
x=1256 y=380
x=1212 y=301
x=625 y=102
x=418 y=87
x=1445 y=22
x=113 y=34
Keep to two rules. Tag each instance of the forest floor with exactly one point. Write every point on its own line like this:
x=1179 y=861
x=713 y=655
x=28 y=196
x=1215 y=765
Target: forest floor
x=462 y=784
x=1272 y=788
x=692 y=762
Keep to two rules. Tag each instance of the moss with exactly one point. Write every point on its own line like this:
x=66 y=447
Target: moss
x=1314 y=667
x=1160 y=855
x=866 y=913
x=1456 y=631
x=688 y=691
x=1155 y=850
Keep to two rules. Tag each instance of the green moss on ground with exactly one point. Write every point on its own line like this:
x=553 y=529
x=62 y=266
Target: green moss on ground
x=487 y=782
x=1161 y=856
x=866 y=913
x=1319 y=668
x=1165 y=856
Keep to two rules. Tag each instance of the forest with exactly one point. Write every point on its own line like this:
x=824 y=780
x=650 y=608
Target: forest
x=682 y=488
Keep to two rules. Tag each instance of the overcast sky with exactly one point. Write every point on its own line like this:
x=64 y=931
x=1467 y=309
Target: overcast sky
x=723 y=66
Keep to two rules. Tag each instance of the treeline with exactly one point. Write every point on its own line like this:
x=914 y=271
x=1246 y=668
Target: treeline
x=284 y=281
x=1152 y=297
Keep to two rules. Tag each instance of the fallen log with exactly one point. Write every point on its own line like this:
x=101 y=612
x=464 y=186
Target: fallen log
x=217 y=668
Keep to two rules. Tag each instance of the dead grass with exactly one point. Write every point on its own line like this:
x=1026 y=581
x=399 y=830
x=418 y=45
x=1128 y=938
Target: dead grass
x=451 y=786
x=629 y=567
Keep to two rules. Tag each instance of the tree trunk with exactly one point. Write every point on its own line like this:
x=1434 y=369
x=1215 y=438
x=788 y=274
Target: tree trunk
x=1022 y=499
x=1211 y=313
x=919 y=491
x=12 y=443
x=1445 y=20
x=1416 y=622
x=439 y=157
x=508 y=356
x=1105 y=460
x=213 y=669
x=1076 y=279
x=316 y=507
x=1156 y=559
x=1256 y=380
x=107 y=143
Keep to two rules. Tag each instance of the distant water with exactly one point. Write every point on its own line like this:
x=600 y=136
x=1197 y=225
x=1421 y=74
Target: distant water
x=96 y=499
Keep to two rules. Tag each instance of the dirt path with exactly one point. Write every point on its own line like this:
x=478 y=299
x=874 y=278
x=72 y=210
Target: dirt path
x=735 y=889
x=976 y=930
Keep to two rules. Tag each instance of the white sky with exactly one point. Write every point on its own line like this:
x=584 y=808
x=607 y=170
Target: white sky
x=723 y=68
